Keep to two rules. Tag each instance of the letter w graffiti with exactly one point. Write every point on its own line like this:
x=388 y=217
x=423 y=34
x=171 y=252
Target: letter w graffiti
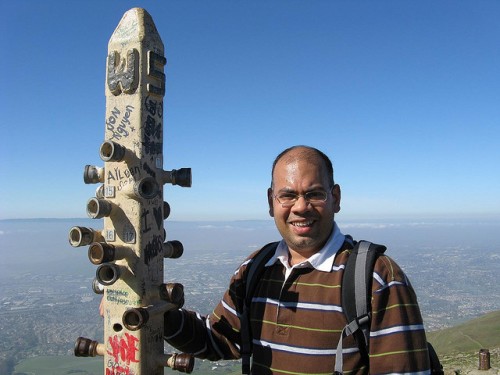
x=123 y=349
x=123 y=75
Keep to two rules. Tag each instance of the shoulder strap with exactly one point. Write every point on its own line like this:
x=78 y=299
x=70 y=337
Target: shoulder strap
x=356 y=296
x=436 y=367
x=357 y=281
x=356 y=302
x=252 y=277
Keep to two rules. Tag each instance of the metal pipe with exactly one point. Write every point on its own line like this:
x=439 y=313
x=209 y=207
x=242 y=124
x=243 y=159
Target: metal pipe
x=82 y=236
x=146 y=188
x=88 y=348
x=111 y=151
x=107 y=273
x=97 y=287
x=135 y=318
x=166 y=210
x=173 y=293
x=93 y=174
x=173 y=249
x=181 y=177
x=98 y=208
x=181 y=362
x=102 y=252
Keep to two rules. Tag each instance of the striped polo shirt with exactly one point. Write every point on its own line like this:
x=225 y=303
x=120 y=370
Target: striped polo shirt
x=296 y=319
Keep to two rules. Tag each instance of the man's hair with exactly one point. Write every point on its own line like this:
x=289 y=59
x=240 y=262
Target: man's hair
x=309 y=153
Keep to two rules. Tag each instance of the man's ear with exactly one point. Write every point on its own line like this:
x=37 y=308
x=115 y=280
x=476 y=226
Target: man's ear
x=336 y=198
x=270 y=201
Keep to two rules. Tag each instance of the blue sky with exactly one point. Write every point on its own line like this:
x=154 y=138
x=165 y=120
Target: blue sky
x=402 y=95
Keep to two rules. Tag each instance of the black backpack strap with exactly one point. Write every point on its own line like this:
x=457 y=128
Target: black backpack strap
x=252 y=277
x=436 y=367
x=356 y=297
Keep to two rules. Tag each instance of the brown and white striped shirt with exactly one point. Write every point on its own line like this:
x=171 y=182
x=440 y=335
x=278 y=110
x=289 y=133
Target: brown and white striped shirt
x=297 y=318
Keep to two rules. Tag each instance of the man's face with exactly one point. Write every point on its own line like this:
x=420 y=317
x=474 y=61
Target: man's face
x=304 y=227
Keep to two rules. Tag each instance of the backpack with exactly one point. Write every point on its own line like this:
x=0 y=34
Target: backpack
x=356 y=301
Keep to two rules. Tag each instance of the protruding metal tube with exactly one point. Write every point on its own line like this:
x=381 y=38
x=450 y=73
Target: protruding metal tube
x=135 y=318
x=93 y=174
x=88 y=348
x=111 y=151
x=173 y=249
x=146 y=188
x=97 y=287
x=173 y=293
x=82 y=236
x=181 y=177
x=108 y=273
x=102 y=252
x=98 y=208
x=181 y=362
x=166 y=210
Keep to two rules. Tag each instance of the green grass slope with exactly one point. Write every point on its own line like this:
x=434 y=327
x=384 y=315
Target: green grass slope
x=458 y=347
x=479 y=333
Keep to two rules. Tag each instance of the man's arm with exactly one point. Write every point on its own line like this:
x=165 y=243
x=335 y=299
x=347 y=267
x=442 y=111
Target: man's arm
x=397 y=337
x=213 y=337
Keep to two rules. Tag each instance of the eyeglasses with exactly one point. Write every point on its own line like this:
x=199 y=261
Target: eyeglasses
x=313 y=197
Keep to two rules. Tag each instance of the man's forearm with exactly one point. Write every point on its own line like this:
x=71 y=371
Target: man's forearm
x=188 y=332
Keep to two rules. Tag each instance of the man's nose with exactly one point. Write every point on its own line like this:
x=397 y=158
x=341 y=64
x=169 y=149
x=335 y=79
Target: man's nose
x=302 y=204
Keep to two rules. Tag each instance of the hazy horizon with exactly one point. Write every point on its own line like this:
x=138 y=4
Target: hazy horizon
x=451 y=263
x=46 y=239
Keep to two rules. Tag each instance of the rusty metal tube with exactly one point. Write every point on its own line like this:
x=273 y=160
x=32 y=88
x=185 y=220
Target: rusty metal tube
x=82 y=236
x=88 y=348
x=102 y=252
x=135 y=318
x=146 y=188
x=173 y=293
x=98 y=208
x=93 y=174
x=181 y=177
x=166 y=210
x=97 y=287
x=181 y=362
x=107 y=273
x=111 y=151
x=173 y=249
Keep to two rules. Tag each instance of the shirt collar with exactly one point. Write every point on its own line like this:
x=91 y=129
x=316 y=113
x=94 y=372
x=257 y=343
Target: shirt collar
x=322 y=260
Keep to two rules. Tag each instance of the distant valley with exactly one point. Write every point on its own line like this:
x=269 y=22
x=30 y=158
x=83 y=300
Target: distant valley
x=46 y=300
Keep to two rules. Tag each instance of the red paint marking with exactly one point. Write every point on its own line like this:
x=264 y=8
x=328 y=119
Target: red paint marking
x=124 y=350
x=118 y=371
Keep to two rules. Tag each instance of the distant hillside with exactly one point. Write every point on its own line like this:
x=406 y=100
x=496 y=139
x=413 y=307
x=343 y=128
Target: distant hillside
x=458 y=346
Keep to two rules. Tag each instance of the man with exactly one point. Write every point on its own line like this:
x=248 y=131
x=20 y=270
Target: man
x=296 y=315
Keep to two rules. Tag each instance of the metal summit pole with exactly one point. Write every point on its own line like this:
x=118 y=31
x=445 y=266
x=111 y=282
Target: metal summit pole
x=130 y=249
